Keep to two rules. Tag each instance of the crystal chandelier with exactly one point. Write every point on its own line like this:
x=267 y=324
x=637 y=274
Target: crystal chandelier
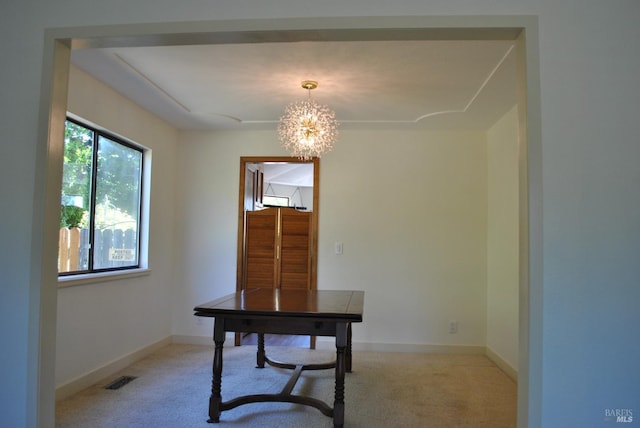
x=308 y=129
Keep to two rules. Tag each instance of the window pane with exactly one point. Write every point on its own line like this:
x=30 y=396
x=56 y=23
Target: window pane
x=75 y=199
x=117 y=209
x=275 y=201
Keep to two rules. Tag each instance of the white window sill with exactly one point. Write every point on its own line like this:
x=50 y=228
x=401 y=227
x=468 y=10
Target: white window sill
x=91 y=278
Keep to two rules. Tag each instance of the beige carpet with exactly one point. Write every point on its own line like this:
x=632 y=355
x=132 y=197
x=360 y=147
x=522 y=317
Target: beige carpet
x=384 y=390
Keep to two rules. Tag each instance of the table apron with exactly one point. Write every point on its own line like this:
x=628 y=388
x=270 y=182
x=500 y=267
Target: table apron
x=295 y=326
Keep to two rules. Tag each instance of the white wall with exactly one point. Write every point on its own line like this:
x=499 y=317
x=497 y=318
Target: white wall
x=411 y=215
x=502 y=239
x=591 y=211
x=582 y=351
x=104 y=321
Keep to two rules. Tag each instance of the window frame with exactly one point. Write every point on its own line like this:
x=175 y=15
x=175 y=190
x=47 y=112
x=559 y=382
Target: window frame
x=141 y=234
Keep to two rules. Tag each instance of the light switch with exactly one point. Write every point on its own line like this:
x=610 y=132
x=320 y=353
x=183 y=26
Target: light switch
x=337 y=246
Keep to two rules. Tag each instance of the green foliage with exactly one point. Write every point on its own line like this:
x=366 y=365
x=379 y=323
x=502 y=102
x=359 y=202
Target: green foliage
x=78 y=141
x=117 y=173
x=78 y=154
x=119 y=169
x=71 y=216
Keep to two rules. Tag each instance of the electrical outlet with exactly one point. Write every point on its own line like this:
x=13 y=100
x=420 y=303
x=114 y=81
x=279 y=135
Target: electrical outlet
x=198 y=320
x=453 y=327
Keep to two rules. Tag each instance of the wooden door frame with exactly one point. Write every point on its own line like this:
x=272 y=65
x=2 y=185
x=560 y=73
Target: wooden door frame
x=244 y=160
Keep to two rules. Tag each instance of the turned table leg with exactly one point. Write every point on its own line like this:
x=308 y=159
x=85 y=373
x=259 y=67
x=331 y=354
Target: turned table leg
x=261 y=356
x=216 y=384
x=341 y=345
x=348 y=357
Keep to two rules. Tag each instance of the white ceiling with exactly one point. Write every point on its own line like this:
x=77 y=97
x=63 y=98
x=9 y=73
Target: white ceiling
x=289 y=174
x=415 y=84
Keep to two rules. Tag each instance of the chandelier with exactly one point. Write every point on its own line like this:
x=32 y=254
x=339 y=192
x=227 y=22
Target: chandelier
x=308 y=129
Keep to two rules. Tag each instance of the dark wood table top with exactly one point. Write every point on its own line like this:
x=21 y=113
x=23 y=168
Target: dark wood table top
x=341 y=305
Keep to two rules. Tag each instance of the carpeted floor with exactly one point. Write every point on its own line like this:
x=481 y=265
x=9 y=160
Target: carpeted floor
x=173 y=385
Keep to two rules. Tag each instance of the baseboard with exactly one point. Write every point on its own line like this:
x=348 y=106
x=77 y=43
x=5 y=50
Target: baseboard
x=502 y=364
x=109 y=369
x=330 y=343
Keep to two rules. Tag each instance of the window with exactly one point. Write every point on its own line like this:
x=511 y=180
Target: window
x=100 y=202
x=275 y=201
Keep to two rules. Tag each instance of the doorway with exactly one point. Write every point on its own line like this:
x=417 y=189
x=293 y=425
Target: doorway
x=253 y=187
x=269 y=186
x=53 y=101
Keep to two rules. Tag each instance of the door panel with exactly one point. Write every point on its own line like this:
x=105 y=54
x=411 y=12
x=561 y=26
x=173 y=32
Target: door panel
x=260 y=248
x=295 y=241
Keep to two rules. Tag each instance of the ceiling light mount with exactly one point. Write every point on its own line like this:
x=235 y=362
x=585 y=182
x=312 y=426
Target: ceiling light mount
x=309 y=84
x=308 y=129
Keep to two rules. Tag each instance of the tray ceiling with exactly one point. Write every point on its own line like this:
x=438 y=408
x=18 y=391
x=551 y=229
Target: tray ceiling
x=421 y=84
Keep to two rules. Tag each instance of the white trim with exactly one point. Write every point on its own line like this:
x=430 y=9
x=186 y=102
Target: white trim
x=109 y=369
x=502 y=364
x=89 y=278
x=330 y=343
x=420 y=348
x=42 y=312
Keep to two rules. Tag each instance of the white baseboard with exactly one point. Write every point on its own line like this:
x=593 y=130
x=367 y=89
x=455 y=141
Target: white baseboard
x=109 y=369
x=502 y=364
x=330 y=343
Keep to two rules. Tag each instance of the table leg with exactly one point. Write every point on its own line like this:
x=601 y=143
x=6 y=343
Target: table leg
x=260 y=357
x=216 y=383
x=338 y=404
x=348 y=358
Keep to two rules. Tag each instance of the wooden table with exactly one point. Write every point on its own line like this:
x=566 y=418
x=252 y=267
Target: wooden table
x=303 y=312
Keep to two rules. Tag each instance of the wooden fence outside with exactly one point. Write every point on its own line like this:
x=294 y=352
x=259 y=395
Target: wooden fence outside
x=112 y=248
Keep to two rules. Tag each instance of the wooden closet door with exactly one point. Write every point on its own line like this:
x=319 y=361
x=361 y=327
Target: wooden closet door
x=295 y=249
x=260 y=264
